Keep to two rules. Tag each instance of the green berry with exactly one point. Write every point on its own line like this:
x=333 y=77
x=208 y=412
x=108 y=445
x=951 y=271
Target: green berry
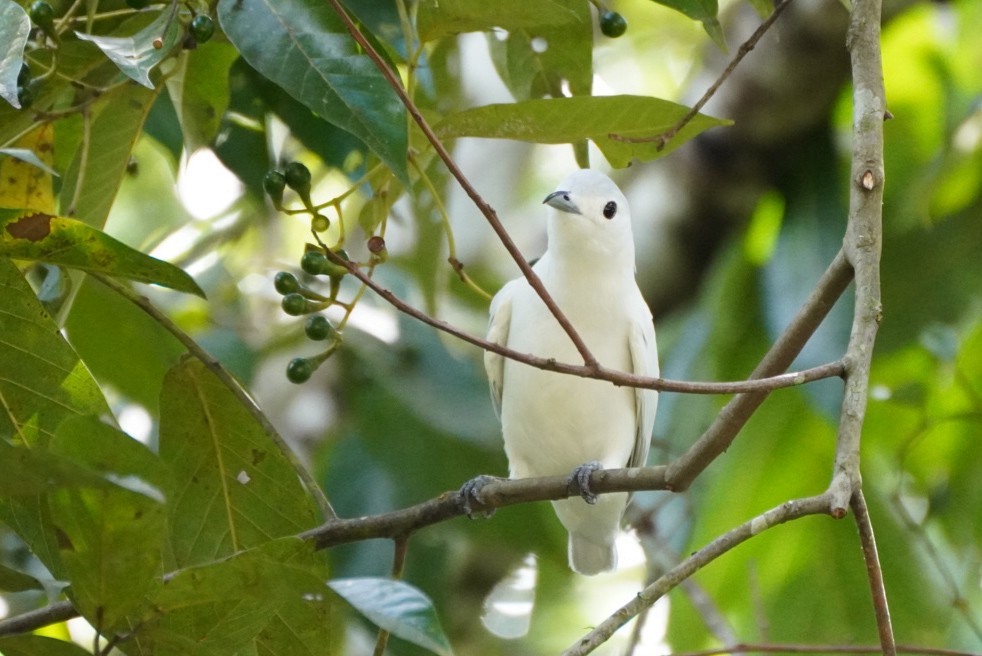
x=297 y=176
x=294 y=304
x=612 y=24
x=202 y=27
x=43 y=15
x=299 y=370
x=273 y=184
x=286 y=283
x=24 y=76
x=317 y=327
x=319 y=223
x=314 y=262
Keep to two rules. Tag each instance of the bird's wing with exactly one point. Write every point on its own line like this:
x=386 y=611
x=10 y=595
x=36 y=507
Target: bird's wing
x=498 y=327
x=644 y=360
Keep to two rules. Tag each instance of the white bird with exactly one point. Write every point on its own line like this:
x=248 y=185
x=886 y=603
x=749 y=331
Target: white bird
x=555 y=423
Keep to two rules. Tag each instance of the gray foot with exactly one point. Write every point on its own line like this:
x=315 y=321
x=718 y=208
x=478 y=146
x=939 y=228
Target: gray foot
x=471 y=492
x=579 y=480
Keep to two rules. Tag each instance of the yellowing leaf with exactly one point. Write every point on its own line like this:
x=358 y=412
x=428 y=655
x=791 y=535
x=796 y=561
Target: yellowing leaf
x=24 y=185
x=35 y=235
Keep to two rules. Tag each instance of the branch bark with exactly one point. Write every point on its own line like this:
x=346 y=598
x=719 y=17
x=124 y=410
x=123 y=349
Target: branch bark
x=659 y=588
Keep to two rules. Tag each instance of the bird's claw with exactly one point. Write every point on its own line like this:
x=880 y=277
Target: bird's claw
x=579 y=480
x=471 y=491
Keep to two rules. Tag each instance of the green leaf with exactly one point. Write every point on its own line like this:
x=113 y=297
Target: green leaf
x=704 y=11
x=35 y=645
x=236 y=490
x=15 y=26
x=304 y=48
x=137 y=54
x=200 y=91
x=110 y=537
x=29 y=235
x=26 y=472
x=440 y=18
x=28 y=156
x=42 y=381
x=399 y=608
x=12 y=580
x=270 y=599
x=535 y=61
x=567 y=120
x=118 y=121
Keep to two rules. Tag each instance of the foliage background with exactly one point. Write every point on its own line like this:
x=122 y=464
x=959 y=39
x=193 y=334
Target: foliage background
x=400 y=414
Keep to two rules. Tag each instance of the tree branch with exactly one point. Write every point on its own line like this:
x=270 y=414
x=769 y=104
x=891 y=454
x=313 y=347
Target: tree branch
x=489 y=213
x=233 y=386
x=875 y=573
x=735 y=414
x=743 y=51
x=863 y=241
x=786 y=648
x=621 y=378
x=646 y=598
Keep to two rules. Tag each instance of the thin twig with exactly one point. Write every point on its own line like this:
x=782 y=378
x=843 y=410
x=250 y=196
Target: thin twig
x=233 y=386
x=664 y=584
x=398 y=566
x=780 y=381
x=489 y=213
x=744 y=50
x=875 y=574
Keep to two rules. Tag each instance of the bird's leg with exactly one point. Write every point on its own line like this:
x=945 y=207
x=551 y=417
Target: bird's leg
x=471 y=490
x=579 y=481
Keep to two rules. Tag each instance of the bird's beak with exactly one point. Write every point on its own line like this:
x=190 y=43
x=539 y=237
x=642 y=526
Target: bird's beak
x=561 y=201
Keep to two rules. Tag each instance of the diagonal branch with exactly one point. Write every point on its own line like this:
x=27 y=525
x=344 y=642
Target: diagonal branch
x=735 y=414
x=492 y=217
x=744 y=50
x=664 y=584
x=875 y=574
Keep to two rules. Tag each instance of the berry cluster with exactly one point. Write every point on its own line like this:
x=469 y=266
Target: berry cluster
x=318 y=260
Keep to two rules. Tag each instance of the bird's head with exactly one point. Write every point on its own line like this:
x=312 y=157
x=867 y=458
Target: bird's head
x=593 y=219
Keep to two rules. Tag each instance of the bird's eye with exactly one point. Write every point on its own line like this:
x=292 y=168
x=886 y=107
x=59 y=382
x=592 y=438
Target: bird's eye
x=610 y=209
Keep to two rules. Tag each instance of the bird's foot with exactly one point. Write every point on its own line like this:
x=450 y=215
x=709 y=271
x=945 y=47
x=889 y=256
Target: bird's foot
x=579 y=481
x=471 y=491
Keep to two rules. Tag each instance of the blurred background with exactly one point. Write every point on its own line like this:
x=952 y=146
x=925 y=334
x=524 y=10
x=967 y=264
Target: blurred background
x=733 y=230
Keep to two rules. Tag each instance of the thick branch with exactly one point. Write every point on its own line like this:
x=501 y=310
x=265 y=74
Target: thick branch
x=864 y=236
x=735 y=414
x=476 y=198
x=646 y=598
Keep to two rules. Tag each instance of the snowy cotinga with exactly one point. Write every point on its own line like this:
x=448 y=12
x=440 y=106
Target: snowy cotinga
x=556 y=423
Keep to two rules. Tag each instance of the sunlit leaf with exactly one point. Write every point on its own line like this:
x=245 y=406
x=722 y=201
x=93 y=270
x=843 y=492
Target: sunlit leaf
x=118 y=120
x=15 y=26
x=439 y=18
x=29 y=235
x=566 y=120
x=305 y=49
x=397 y=607
x=704 y=11
x=237 y=490
x=200 y=90
x=42 y=381
x=137 y=54
x=25 y=177
x=110 y=537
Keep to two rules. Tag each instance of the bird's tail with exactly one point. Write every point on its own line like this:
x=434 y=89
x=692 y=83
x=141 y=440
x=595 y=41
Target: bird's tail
x=589 y=557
